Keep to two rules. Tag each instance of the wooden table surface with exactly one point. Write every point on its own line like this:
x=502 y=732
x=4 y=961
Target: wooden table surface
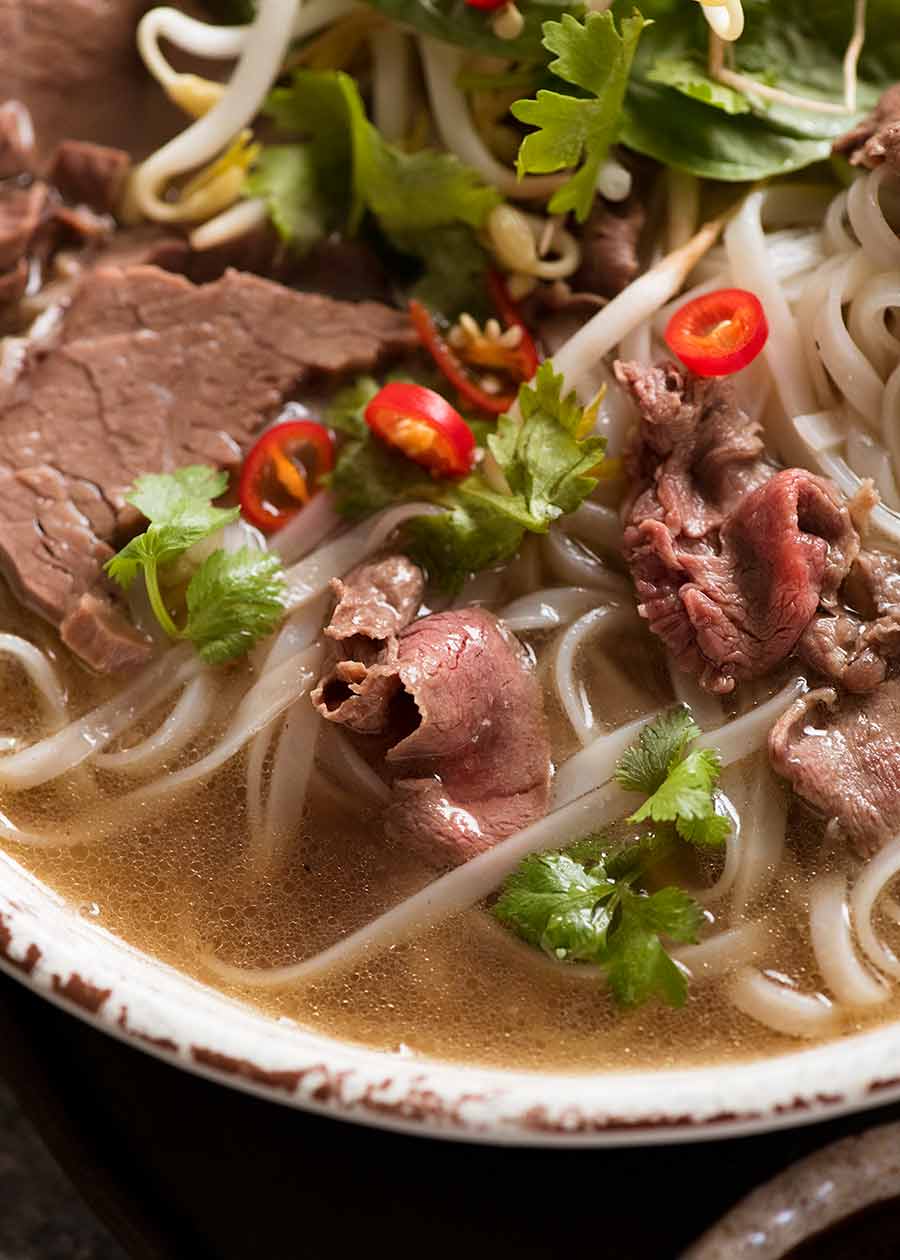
x=179 y=1167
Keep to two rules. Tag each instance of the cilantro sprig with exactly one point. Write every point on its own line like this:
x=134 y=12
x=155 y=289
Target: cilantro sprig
x=549 y=459
x=234 y=598
x=587 y=906
x=680 y=786
x=595 y=57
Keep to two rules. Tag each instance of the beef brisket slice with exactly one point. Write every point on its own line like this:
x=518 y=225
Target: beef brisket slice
x=844 y=759
x=149 y=373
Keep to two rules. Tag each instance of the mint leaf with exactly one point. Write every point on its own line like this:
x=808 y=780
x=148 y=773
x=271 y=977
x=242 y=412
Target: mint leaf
x=643 y=767
x=233 y=600
x=596 y=57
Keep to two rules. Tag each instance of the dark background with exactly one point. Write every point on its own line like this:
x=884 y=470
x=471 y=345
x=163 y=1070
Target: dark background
x=179 y=1167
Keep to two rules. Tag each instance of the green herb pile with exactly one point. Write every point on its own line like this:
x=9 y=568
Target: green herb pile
x=590 y=903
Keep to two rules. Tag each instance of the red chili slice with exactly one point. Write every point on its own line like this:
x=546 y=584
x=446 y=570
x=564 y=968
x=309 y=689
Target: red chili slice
x=282 y=472
x=423 y=425
x=487 y=5
x=718 y=333
x=518 y=362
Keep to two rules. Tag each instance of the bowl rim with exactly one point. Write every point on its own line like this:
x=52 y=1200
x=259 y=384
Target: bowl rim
x=82 y=967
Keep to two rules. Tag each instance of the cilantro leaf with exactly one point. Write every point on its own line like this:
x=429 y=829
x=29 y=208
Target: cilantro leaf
x=596 y=57
x=548 y=465
x=234 y=599
x=680 y=786
x=158 y=496
x=639 y=967
x=644 y=766
x=284 y=177
x=549 y=468
x=353 y=169
x=345 y=410
x=686 y=791
x=583 y=906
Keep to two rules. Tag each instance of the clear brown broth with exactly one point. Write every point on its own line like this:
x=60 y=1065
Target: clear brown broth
x=177 y=887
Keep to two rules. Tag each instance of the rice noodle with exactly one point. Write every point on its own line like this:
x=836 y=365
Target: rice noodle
x=877 y=237
x=707 y=709
x=41 y=675
x=270 y=696
x=188 y=718
x=545 y=609
x=288 y=785
x=571 y=692
x=343 y=764
x=786 y=1010
x=832 y=941
x=764 y=806
x=59 y=753
x=875 y=879
x=312 y=576
x=723 y=951
x=596 y=525
x=571 y=563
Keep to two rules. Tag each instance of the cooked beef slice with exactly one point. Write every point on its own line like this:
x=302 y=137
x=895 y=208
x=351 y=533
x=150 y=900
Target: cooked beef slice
x=98 y=633
x=609 y=245
x=74 y=64
x=374 y=603
x=90 y=174
x=16 y=139
x=21 y=212
x=476 y=765
x=852 y=642
x=843 y=757
x=145 y=245
x=731 y=559
x=877 y=138
x=149 y=373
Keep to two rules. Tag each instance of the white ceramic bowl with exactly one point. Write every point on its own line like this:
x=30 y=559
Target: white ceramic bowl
x=46 y=944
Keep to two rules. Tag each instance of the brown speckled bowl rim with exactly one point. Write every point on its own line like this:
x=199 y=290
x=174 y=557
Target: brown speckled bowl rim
x=66 y=958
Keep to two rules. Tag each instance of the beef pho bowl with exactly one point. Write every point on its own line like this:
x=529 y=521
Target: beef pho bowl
x=450 y=546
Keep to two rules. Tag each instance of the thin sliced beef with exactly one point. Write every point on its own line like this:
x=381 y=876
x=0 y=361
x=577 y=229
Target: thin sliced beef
x=877 y=138
x=90 y=174
x=21 y=212
x=146 y=245
x=732 y=560
x=74 y=64
x=374 y=603
x=609 y=245
x=16 y=139
x=97 y=632
x=456 y=694
x=843 y=757
x=150 y=372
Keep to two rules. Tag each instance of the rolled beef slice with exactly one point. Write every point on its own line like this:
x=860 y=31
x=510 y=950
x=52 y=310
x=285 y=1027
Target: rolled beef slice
x=150 y=372
x=735 y=564
x=843 y=757
x=470 y=755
